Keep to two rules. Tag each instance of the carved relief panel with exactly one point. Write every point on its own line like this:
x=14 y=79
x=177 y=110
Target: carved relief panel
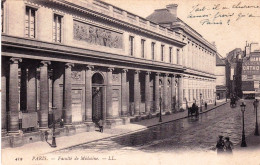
x=96 y=35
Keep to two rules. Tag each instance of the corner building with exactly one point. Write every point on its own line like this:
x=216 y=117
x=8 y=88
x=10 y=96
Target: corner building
x=83 y=61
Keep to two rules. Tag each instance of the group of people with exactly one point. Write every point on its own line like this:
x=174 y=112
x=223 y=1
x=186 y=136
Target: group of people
x=224 y=146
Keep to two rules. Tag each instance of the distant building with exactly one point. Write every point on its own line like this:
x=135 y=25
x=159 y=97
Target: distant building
x=251 y=75
x=233 y=72
x=221 y=77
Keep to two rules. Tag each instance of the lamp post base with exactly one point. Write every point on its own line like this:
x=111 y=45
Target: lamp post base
x=160 y=118
x=53 y=142
x=243 y=144
x=256 y=130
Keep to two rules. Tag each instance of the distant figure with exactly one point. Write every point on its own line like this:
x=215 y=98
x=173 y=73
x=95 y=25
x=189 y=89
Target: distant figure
x=206 y=105
x=100 y=125
x=46 y=134
x=220 y=145
x=61 y=123
x=228 y=145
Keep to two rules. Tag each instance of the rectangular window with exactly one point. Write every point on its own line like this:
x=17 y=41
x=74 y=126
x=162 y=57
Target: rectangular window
x=30 y=21
x=177 y=55
x=131 y=45
x=56 y=30
x=152 y=50
x=170 y=54
x=162 y=52
x=2 y=16
x=142 y=47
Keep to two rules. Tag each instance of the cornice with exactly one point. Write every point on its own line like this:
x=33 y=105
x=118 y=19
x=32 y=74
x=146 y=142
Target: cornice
x=31 y=44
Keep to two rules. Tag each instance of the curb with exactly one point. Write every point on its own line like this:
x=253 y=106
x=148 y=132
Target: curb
x=130 y=132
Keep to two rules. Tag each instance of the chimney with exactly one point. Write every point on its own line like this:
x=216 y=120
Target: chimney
x=172 y=8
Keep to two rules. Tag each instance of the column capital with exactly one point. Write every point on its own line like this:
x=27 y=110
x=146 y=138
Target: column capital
x=148 y=72
x=45 y=63
x=157 y=73
x=110 y=69
x=15 y=60
x=124 y=70
x=69 y=65
x=137 y=71
x=89 y=67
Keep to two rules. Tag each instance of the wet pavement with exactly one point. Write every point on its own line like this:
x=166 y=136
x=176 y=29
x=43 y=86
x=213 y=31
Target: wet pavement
x=193 y=133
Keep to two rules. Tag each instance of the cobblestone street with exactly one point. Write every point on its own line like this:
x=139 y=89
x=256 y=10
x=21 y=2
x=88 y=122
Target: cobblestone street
x=193 y=133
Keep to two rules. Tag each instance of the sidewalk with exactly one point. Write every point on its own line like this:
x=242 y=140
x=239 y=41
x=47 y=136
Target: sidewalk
x=39 y=148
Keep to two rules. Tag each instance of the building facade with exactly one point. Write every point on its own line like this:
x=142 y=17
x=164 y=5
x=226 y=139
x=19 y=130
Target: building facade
x=81 y=62
x=198 y=59
x=221 y=88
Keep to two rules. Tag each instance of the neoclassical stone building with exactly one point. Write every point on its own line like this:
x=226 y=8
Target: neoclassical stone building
x=82 y=61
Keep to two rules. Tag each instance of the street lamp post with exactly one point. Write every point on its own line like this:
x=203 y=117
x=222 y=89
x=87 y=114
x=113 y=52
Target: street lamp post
x=256 y=102
x=215 y=98
x=243 y=108
x=53 y=144
x=160 y=118
x=200 y=102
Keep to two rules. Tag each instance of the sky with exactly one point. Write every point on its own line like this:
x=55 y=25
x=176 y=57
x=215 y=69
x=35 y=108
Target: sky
x=230 y=24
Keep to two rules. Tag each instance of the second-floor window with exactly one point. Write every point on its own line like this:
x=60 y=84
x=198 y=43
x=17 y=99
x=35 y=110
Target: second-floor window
x=170 y=54
x=152 y=50
x=162 y=52
x=131 y=45
x=57 y=23
x=177 y=55
x=30 y=22
x=142 y=48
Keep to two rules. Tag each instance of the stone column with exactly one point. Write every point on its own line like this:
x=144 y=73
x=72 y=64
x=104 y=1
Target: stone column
x=137 y=92
x=165 y=96
x=23 y=88
x=124 y=109
x=157 y=96
x=13 y=114
x=147 y=93
x=109 y=112
x=67 y=94
x=180 y=91
x=44 y=94
x=88 y=94
x=32 y=89
x=3 y=94
x=173 y=93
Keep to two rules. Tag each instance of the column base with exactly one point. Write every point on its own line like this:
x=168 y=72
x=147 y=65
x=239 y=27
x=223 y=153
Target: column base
x=3 y=132
x=42 y=131
x=125 y=120
x=70 y=130
x=16 y=139
x=110 y=123
x=90 y=126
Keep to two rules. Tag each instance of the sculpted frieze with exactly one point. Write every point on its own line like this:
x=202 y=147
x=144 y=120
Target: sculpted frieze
x=96 y=35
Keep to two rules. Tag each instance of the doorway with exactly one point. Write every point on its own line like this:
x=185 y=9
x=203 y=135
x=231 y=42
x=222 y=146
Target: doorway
x=97 y=97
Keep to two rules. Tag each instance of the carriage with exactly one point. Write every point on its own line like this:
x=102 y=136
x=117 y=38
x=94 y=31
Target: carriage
x=194 y=110
x=233 y=102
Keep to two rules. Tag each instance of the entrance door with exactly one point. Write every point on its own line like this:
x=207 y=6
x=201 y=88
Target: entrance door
x=96 y=104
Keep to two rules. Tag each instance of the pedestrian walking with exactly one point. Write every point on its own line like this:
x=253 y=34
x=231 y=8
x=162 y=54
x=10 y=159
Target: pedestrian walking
x=220 y=145
x=100 y=125
x=206 y=105
x=228 y=145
